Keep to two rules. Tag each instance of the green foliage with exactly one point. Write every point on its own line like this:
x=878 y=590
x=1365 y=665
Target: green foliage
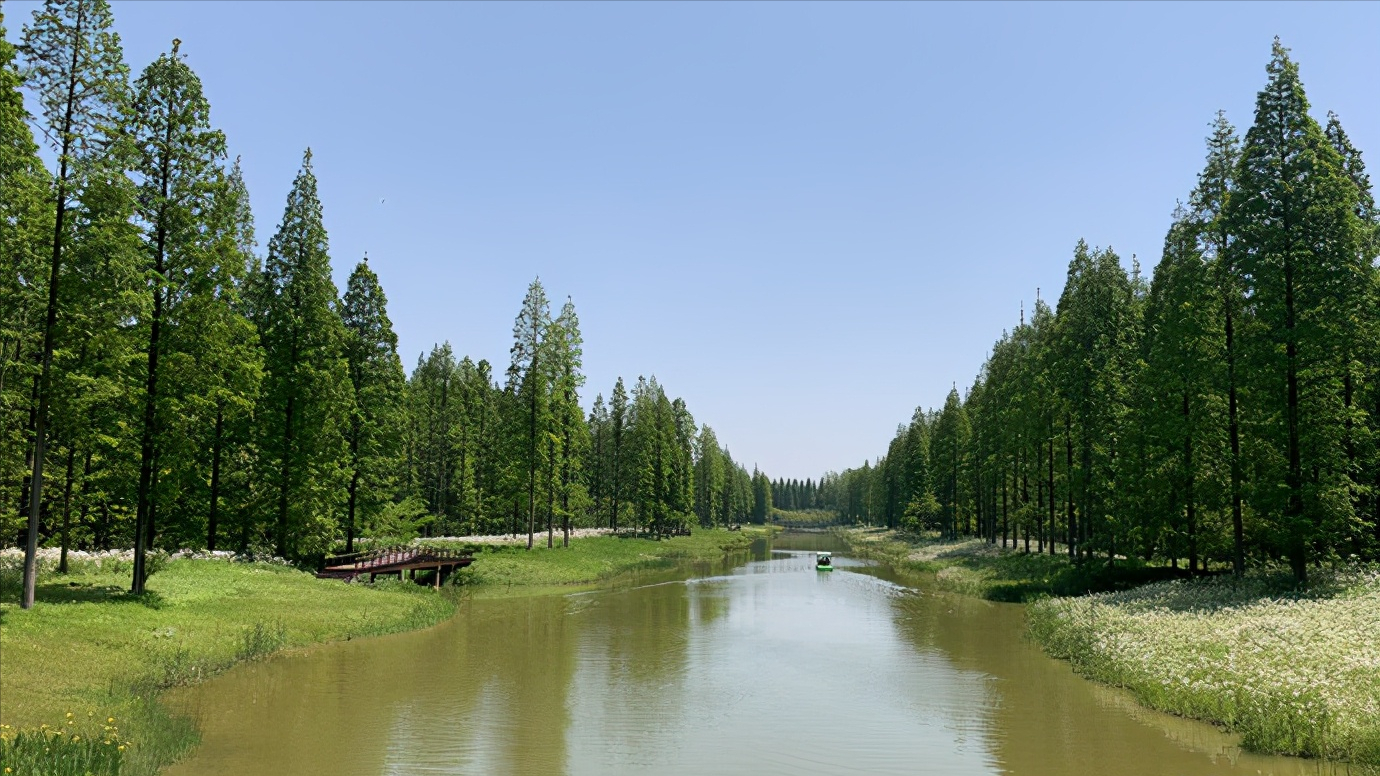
x=308 y=397
x=83 y=747
x=1226 y=411
x=376 y=375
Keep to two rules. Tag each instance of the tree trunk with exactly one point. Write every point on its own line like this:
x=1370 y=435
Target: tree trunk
x=67 y=506
x=284 y=483
x=1050 y=461
x=1071 y=521
x=1298 y=544
x=45 y=381
x=353 y=488
x=214 y=512
x=1191 y=508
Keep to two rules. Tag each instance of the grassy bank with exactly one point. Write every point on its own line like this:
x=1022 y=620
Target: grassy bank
x=974 y=567
x=506 y=568
x=1294 y=672
x=89 y=657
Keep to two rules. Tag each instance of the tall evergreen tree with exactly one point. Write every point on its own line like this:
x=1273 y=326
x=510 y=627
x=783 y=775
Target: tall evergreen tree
x=618 y=450
x=307 y=385
x=74 y=61
x=175 y=162
x=376 y=375
x=1297 y=250
x=528 y=375
x=25 y=231
x=567 y=354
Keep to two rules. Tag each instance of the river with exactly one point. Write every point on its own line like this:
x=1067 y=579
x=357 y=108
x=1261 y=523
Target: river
x=757 y=666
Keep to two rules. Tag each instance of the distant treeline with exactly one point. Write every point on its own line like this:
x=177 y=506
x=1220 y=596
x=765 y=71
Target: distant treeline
x=165 y=385
x=1226 y=411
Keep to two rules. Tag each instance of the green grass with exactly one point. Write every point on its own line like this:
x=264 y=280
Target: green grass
x=1293 y=671
x=499 y=568
x=975 y=568
x=805 y=518
x=90 y=649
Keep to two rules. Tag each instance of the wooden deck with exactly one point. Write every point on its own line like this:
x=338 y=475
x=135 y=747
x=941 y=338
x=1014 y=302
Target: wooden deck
x=395 y=560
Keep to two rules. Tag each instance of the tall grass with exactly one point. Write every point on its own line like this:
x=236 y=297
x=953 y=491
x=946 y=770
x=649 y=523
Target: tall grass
x=1293 y=671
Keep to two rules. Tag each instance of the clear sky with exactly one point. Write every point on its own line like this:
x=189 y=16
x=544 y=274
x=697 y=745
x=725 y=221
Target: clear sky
x=805 y=219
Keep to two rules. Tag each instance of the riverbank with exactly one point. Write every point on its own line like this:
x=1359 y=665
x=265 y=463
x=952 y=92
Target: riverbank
x=504 y=568
x=1291 y=671
x=89 y=651
x=85 y=666
x=976 y=568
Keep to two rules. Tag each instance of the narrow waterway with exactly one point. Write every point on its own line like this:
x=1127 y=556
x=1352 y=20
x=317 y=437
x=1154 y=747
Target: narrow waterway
x=762 y=666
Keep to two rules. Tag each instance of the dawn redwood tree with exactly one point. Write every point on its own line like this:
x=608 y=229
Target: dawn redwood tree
x=26 y=215
x=217 y=358
x=528 y=377
x=1297 y=250
x=307 y=392
x=709 y=478
x=618 y=450
x=176 y=156
x=1208 y=203
x=74 y=63
x=1362 y=386
x=568 y=418
x=376 y=375
x=1180 y=412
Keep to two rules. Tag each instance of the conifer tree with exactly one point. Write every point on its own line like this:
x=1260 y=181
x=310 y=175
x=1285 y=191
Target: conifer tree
x=709 y=479
x=307 y=386
x=1208 y=202
x=25 y=231
x=1179 y=411
x=75 y=64
x=567 y=352
x=376 y=375
x=528 y=377
x=175 y=161
x=1363 y=371
x=618 y=452
x=1296 y=250
x=217 y=358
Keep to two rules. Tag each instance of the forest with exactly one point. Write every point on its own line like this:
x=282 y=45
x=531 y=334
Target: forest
x=165 y=384
x=1223 y=413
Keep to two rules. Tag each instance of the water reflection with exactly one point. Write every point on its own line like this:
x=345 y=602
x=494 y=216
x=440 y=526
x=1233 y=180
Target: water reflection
x=760 y=667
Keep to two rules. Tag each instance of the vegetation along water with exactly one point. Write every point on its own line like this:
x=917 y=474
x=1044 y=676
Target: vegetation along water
x=1172 y=483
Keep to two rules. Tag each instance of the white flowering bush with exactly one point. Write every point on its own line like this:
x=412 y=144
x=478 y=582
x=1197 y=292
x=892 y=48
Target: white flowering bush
x=115 y=561
x=1295 y=672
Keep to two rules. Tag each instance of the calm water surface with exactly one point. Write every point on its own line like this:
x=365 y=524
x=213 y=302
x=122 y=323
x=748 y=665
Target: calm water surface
x=764 y=667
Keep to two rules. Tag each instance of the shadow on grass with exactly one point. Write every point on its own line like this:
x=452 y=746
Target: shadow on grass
x=67 y=592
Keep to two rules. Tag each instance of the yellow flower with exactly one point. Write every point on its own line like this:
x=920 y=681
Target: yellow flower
x=121 y=747
x=69 y=715
x=110 y=720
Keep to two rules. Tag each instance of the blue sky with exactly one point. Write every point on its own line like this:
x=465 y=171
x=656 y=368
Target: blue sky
x=805 y=219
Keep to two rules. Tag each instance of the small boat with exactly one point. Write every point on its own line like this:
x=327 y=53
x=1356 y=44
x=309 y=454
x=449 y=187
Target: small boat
x=824 y=561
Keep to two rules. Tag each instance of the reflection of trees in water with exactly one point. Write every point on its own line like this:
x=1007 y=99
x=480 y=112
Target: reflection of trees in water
x=1045 y=719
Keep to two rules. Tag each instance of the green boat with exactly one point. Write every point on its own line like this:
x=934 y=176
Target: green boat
x=824 y=561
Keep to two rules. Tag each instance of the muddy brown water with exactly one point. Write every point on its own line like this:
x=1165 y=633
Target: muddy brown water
x=760 y=665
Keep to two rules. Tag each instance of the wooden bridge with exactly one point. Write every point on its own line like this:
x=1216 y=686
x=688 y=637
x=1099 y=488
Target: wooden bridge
x=395 y=560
